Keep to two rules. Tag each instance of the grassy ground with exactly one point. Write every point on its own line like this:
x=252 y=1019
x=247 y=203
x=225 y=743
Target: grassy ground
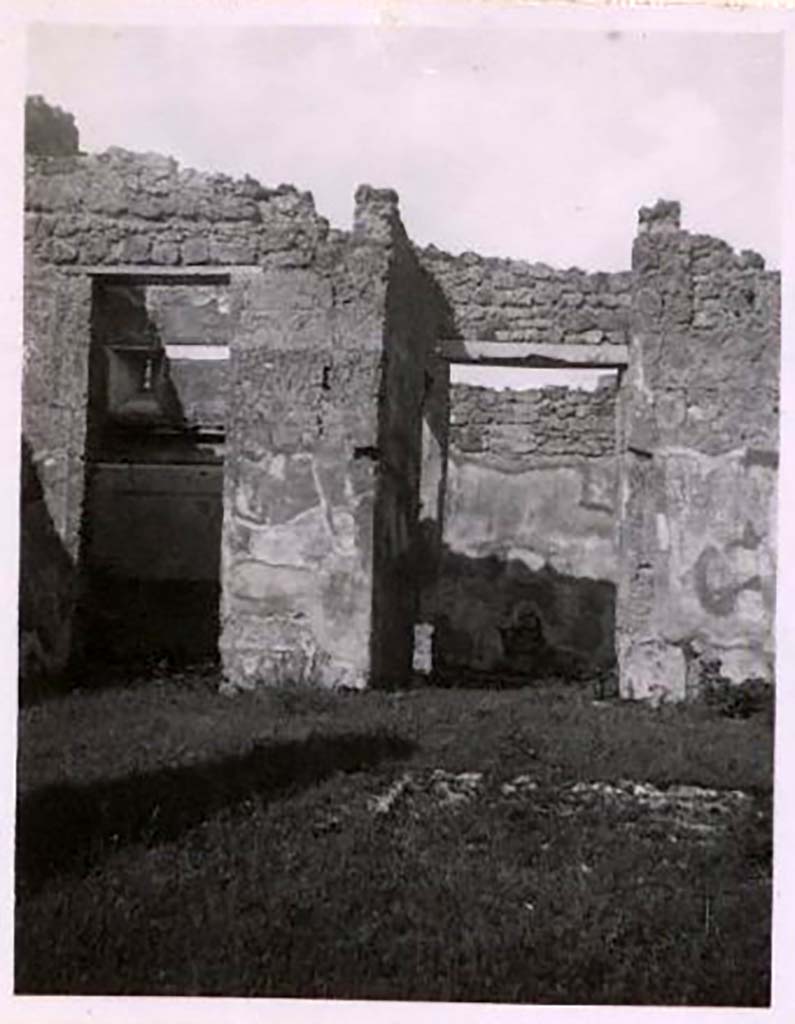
x=175 y=841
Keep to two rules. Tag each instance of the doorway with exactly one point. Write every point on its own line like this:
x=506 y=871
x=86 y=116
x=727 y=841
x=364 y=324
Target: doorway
x=153 y=510
x=526 y=587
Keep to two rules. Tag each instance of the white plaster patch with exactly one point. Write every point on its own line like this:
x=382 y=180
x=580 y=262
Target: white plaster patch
x=751 y=606
x=746 y=562
x=652 y=671
x=278 y=466
x=423 y=647
x=663 y=536
x=696 y=414
x=740 y=664
x=198 y=353
x=305 y=540
x=532 y=559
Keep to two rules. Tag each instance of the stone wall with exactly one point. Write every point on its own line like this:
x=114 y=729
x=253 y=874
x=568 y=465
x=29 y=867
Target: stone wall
x=117 y=208
x=57 y=317
x=513 y=300
x=322 y=479
x=698 y=492
x=526 y=586
x=327 y=333
x=300 y=477
x=518 y=429
x=336 y=413
x=49 y=131
x=83 y=214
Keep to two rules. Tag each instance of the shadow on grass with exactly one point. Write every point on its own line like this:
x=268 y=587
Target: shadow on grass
x=64 y=828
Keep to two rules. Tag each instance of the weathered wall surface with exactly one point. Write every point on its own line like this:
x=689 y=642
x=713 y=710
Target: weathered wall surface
x=700 y=422
x=302 y=465
x=331 y=400
x=57 y=313
x=529 y=564
x=512 y=300
x=324 y=393
x=415 y=317
x=323 y=453
x=128 y=208
x=87 y=212
x=49 y=131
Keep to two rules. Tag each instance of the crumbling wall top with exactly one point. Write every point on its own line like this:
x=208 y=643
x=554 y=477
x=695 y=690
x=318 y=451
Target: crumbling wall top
x=48 y=129
x=664 y=216
x=119 y=207
x=376 y=213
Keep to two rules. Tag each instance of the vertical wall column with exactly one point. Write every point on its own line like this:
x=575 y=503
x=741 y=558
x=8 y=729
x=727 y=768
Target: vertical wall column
x=301 y=472
x=430 y=526
x=324 y=446
x=698 y=479
x=57 y=311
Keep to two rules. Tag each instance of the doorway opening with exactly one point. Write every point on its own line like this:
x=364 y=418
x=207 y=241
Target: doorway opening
x=527 y=575
x=153 y=510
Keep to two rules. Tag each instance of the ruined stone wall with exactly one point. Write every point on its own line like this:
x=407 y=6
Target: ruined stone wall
x=118 y=208
x=57 y=316
x=513 y=300
x=518 y=429
x=527 y=581
x=324 y=391
x=328 y=518
x=698 y=492
x=305 y=484
x=323 y=453
x=84 y=213
x=49 y=130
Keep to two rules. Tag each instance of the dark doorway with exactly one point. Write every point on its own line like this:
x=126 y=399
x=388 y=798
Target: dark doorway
x=154 y=478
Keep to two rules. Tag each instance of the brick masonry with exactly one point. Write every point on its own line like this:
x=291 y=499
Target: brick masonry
x=514 y=300
x=698 y=487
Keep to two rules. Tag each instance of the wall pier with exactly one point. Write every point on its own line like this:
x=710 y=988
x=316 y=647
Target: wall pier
x=698 y=476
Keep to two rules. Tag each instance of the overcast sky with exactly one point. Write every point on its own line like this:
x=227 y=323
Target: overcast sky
x=538 y=145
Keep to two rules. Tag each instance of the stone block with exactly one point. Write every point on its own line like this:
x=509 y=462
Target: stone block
x=136 y=249
x=423 y=648
x=652 y=670
x=165 y=253
x=195 y=251
x=240 y=251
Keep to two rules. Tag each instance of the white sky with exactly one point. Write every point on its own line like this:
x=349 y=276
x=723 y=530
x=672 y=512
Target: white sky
x=527 y=378
x=524 y=143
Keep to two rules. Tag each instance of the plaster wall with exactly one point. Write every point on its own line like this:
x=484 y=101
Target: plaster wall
x=311 y=486
x=57 y=313
x=698 y=491
x=338 y=460
x=529 y=562
x=83 y=214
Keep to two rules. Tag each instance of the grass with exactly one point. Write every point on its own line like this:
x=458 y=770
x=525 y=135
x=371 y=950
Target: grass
x=174 y=841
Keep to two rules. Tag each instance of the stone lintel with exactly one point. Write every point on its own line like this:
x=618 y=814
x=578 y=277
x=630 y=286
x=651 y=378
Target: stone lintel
x=150 y=272
x=526 y=353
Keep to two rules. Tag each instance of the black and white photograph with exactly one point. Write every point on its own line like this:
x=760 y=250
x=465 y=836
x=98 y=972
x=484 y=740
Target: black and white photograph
x=400 y=513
